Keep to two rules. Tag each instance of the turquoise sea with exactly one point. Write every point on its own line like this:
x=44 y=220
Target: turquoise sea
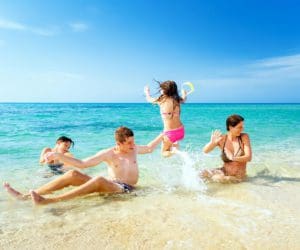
x=171 y=209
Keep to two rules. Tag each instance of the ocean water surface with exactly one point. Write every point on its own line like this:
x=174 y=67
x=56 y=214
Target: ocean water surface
x=171 y=208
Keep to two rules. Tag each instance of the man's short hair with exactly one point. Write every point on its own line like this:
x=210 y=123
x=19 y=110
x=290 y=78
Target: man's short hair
x=122 y=133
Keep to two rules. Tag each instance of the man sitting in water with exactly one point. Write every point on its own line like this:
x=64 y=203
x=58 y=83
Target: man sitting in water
x=62 y=146
x=123 y=171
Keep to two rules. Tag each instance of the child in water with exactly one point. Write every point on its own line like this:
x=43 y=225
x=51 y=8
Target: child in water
x=62 y=146
x=169 y=102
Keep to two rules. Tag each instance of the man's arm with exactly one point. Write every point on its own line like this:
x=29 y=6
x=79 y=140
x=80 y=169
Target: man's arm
x=92 y=161
x=69 y=155
x=150 y=146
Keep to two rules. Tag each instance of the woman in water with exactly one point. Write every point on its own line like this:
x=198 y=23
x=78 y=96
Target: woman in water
x=235 y=152
x=169 y=102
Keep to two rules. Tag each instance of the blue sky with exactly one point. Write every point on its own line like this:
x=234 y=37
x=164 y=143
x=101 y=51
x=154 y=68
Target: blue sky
x=107 y=50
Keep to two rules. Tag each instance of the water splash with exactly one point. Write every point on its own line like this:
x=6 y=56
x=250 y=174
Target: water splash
x=189 y=176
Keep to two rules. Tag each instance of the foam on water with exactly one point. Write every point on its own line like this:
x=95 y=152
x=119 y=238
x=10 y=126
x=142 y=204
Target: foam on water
x=189 y=176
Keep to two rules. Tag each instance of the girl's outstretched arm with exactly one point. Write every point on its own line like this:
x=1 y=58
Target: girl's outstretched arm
x=147 y=94
x=150 y=146
x=183 y=95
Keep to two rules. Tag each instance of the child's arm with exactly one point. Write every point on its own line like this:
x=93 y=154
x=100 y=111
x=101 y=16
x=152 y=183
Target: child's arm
x=183 y=95
x=148 y=96
x=150 y=146
x=44 y=151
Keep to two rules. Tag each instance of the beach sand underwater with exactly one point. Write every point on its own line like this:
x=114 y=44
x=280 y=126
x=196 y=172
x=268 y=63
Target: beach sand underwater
x=171 y=208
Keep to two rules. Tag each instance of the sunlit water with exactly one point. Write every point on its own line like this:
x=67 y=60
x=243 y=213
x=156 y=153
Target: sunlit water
x=171 y=208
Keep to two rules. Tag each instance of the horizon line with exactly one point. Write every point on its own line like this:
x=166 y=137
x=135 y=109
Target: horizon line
x=147 y=103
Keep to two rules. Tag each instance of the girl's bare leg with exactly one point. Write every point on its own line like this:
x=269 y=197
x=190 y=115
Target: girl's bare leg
x=166 y=147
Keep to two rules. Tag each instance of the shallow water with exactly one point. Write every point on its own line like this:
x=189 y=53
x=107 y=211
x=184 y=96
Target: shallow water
x=171 y=208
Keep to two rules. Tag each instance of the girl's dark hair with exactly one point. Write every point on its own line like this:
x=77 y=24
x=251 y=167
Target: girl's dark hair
x=169 y=89
x=65 y=139
x=233 y=120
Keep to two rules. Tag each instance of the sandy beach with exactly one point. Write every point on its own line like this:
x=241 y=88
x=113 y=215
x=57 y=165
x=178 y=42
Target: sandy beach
x=256 y=215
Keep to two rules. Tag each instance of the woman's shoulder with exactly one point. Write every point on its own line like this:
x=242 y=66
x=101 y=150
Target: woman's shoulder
x=244 y=137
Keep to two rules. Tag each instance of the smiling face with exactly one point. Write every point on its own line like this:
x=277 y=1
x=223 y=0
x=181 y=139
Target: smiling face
x=127 y=146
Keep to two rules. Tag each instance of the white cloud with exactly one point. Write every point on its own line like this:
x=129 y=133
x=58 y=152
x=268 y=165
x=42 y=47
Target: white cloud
x=277 y=67
x=268 y=73
x=78 y=26
x=45 y=32
x=11 y=25
x=6 y=24
x=50 y=31
x=283 y=61
x=267 y=70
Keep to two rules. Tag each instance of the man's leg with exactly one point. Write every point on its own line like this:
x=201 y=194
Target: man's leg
x=71 y=178
x=97 y=184
x=13 y=192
